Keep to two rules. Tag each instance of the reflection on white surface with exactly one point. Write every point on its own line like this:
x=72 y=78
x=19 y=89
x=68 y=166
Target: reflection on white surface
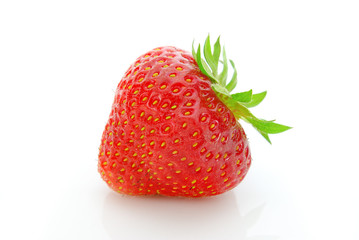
x=179 y=218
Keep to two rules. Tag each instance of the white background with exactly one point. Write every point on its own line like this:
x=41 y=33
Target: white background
x=60 y=62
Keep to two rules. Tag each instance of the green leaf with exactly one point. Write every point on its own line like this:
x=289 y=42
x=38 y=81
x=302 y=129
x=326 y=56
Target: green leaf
x=268 y=126
x=208 y=54
x=233 y=83
x=219 y=88
x=243 y=97
x=223 y=76
x=202 y=64
x=216 y=54
x=256 y=99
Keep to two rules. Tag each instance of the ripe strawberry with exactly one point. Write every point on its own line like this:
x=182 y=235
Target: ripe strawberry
x=173 y=127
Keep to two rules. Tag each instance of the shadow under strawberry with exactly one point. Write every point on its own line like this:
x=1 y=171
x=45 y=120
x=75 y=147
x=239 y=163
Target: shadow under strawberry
x=159 y=217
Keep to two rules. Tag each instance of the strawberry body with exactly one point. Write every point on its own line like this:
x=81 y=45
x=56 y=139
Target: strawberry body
x=168 y=133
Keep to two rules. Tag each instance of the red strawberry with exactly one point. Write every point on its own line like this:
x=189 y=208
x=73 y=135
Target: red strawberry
x=173 y=127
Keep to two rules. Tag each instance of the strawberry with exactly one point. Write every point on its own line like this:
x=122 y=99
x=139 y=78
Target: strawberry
x=173 y=129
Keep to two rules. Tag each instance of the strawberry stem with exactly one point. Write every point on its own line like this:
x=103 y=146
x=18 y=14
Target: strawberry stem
x=238 y=103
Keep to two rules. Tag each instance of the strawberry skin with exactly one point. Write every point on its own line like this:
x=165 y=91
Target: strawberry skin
x=168 y=133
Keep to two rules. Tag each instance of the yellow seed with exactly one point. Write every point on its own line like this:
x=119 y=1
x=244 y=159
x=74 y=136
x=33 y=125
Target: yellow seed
x=152 y=143
x=223 y=138
x=238 y=161
x=114 y=165
x=209 y=169
x=147 y=56
x=168 y=177
x=160 y=61
x=144 y=99
x=203 y=119
x=125 y=159
x=194 y=181
x=222 y=174
x=173 y=107
x=184 y=125
x=172 y=75
x=120 y=188
x=142 y=114
x=165 y=66
x=205 y=178
x=140 y=80
x=152 y=131
x=139 y=170
x=103 y=153
x=189 y=104
x=175 y=90
x=135 y=92
x=178 y=171
x=104 y=163
x=116 y=154
x=133 y=165
x=143 y=155
x=200 y=192
x=195 y=134
x=170 y=164
x=217 y=156
x=187 y=113
x=184 y=186
x=225 y=180
x=168 y=117
x=135 y=73
x=163 y=86
x=155 y=75
x=164 y=105
x=188 y=80
x=147 y=68
x=122 y=170
x=174 y=152
x=110 y=133
x=203 y=150
x=155 y=102
x=183 y=159
x=239 y=172
x=135 y=154
x=149 y=118
x=122 y=181
x=198 y=169
x=225 y=155
x=163 y=144
x=190 y=164
x=213 y=136
x=188 y=94
x=156 y=119
x=160 y=156
x=179 y=68
x=223 y=166
x=176 y=141
x=160 y=168
x=126 y=149
x=142 y=136
x=212 y=126
x=195 y=145
x=150 y=86
x=208 y=155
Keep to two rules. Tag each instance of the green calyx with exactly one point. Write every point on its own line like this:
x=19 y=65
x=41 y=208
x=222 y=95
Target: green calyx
x=238 y=103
